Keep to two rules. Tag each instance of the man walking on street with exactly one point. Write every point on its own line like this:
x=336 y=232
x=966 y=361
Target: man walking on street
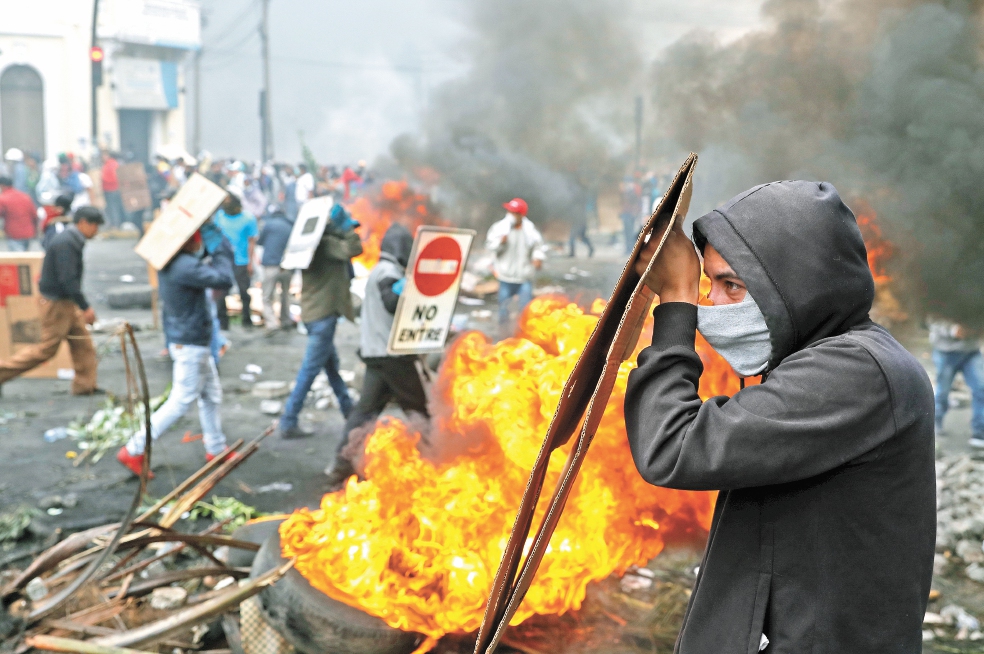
x=19 y=215
x=825 y=526
x=273 y=239
x=518 y=248
x=111 y=189
x=325 y=297
x=188 y=329
x=64 y=310
x=958 y=349
x=387 y=377
x=241 y=230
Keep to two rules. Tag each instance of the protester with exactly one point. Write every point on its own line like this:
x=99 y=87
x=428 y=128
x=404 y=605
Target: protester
x=241 y=230
x=19 y=215
x=49 y=185
x=188 y=326
x=111 y=189
x=55 y=219
x=18 y=169
x=325 y=297
x=388 y=378
x=629 y=214
x=303 y=186
x=519 y=253
x=825 y=526
x=64 y=309
x=958 y=349
x=273 y=239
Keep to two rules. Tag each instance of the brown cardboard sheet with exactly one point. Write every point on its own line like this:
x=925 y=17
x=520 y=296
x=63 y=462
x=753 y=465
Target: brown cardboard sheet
x=583 y=400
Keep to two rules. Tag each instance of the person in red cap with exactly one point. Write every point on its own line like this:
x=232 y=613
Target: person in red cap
x=519 y=253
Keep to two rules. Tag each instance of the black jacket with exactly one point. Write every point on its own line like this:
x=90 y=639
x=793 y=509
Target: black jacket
x=824 y=529
x=61 y=273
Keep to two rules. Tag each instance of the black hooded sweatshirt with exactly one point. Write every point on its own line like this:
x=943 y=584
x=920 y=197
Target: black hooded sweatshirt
x=825 y=524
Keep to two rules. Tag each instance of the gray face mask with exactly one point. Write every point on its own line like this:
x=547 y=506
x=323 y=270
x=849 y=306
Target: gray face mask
x=739 y=334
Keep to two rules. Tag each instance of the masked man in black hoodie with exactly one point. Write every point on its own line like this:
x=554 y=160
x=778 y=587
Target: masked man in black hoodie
x=824 y=530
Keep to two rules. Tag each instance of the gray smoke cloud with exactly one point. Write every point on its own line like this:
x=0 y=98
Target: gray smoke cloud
x=881 y=98
x=542 y=114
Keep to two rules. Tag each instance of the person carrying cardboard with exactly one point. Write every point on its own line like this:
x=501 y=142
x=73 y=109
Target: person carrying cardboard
x=188 y=328
x=825 y=526
x=64 y=310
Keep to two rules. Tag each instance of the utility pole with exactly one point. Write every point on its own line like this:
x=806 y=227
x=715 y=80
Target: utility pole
x=94 y=83
x=196 y=138
x=266 y=126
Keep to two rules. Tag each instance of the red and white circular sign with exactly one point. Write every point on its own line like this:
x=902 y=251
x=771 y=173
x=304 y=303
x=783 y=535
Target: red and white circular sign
x=437 y=266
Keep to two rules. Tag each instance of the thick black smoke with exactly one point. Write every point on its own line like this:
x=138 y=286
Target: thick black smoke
x=881 y=98
x=543 y=113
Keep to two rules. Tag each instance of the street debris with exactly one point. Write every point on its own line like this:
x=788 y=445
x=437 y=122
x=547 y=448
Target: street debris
x=110 y=427
x=960 y=514
x=271 y=389
x=277 y=486
x=14 y=524
x=254 y=369
x=227 y=510
x=271 y=407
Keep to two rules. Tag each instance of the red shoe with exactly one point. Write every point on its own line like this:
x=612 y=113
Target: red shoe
x=210 y=457
x=132 y=463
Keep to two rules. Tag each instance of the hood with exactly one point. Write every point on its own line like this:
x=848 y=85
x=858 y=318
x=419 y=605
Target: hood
x=798 y=249
x=396 y=245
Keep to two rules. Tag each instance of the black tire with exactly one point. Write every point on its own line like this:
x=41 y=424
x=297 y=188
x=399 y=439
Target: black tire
x=131 y=296
x=253 y=532
x=314 y=623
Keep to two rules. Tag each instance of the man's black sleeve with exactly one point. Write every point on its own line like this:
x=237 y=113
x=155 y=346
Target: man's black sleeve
x=390 y=298
x=827 y=404
x=68 y=271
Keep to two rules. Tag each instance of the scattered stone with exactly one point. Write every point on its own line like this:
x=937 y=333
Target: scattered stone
x=934 y=618
x=631 y=582
x=976 y=572
x=957 y=615
x=254 y=369
x=271 y=389
x=928 y=635
x=970 y=551
x=247 y=377
x=939 y=564
x=168 y=598
x=277 y=486
x=36 y=589
x=271 y=407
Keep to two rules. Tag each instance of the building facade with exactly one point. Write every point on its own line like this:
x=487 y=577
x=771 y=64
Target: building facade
x=46 y=75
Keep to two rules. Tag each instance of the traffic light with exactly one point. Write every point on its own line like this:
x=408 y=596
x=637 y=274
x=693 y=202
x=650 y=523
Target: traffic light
x=97 y=55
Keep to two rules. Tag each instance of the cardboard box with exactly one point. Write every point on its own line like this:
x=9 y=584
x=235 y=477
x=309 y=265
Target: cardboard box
x=185 y=213
x=20 y=313
x=134 y=191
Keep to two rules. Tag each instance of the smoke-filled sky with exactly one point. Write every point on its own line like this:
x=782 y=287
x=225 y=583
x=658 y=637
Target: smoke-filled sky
x=353 y=75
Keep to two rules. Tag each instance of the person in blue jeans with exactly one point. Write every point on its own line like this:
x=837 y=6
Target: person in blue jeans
x=519 y=253
x=325 y=297
x=957 y=349
x=241 y=228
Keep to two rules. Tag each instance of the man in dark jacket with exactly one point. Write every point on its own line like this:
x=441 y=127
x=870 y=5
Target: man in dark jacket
x=325 y=297
x=387 y=377
x=824 y=530
x=188 y=329
x=64 y=310
x=273 y=239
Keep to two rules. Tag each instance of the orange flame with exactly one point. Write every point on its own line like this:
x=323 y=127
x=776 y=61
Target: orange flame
x=395 y=202
x=880 y=249
x=418 y=542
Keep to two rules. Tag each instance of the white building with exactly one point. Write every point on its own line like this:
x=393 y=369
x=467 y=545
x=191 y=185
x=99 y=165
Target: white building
x=46 y=78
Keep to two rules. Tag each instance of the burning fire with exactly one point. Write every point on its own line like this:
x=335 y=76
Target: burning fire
x=879 y=248
x=418 y=542
x=396 y=202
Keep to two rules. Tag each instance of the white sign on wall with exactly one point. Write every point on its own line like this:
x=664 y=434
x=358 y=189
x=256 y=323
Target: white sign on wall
x=426 y=307
x=165 y=23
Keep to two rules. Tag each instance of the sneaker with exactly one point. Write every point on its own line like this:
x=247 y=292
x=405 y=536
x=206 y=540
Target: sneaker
x=294 y=433
x=211 y=457
x=977 y=440
x=338 y=474
x=133 y=463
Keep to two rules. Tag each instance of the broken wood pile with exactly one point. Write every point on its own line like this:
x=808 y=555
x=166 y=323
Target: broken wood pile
x=140 y=584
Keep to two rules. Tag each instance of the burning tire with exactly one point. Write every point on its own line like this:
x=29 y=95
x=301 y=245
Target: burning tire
x=315 y=623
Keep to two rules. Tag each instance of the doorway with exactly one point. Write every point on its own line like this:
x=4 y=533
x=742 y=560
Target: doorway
x=135 y=134
x=22 y=110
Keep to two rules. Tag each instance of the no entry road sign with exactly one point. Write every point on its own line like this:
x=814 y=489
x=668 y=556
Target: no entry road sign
x=426 y=307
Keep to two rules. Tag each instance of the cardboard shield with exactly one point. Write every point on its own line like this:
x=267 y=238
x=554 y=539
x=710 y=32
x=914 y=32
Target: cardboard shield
x=188 y=209
x=307 y=232
x=585 y=394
